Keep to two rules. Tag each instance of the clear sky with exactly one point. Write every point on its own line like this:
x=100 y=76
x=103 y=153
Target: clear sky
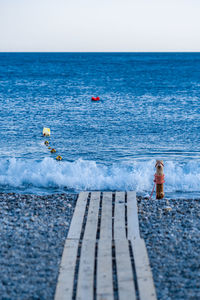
x=99 y=25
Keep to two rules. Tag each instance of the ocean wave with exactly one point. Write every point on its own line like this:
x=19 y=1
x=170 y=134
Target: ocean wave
x=89 y=175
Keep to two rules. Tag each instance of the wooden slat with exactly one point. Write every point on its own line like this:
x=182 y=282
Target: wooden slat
x=106 y=216
x=126 y=288
x=104 y=271
x=119 y=216
x=64 y=289
x=92 y=218
x=86 y=270
x=77 y=220
x=143 y=270
x=132 y=216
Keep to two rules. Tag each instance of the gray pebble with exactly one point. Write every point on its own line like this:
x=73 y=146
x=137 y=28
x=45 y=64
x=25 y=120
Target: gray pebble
x=167 y=209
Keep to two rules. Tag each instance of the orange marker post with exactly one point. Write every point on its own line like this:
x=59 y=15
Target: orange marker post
x=159 y=179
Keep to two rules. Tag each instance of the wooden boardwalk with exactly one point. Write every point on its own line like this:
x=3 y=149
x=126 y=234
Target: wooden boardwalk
x=104 y=257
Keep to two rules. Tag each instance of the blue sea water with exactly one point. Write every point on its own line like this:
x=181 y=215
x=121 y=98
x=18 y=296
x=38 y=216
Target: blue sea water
x=149 y=109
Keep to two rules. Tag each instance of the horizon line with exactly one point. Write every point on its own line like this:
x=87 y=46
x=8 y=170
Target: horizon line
x=99 y=52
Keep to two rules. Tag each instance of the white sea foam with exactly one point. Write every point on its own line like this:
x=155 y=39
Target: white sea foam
x=88 y=175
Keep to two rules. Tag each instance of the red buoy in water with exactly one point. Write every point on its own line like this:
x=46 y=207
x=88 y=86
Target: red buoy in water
x=95 y=99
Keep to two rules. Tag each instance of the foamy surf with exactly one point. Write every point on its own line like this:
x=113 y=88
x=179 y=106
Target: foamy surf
x=48 y=174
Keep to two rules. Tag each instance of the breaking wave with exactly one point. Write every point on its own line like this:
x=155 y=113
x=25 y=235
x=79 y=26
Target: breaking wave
x=79 y=175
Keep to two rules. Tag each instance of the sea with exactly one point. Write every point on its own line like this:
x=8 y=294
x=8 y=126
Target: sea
x=149 y=109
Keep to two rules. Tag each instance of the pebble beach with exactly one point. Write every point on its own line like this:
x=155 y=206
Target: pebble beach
x=171 y=231
x=33 y=230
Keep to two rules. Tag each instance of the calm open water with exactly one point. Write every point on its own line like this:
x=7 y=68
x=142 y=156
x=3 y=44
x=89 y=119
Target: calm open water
x=149 y=109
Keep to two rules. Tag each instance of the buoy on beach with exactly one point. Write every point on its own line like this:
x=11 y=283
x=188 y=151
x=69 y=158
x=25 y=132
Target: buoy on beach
x=46 y=132
x=46 y=143
x=95 y=99
x=53 y=150
x=59 y=157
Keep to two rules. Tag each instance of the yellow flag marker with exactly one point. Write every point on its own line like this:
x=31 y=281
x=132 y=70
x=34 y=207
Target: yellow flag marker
x=46 y=131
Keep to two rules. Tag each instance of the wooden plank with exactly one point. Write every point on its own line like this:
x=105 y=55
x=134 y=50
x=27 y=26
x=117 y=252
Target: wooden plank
x=86 y=270
x=104 y=271
x=126 y=288
x=132 y=216
x=119 y=216
x=92 y=218
x=77 y=220
x=143 y=270
x=106 y=216
x=64 y=289
x=87 y=260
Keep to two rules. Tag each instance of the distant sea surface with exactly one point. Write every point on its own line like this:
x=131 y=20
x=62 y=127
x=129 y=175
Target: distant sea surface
x=149 y=109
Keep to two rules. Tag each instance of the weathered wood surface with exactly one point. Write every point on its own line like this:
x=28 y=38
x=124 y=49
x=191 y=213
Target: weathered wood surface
x=86 y=271
x=119 y=216
x=92 y=218
x=106 y=217
x=132 y=213
x=143 y=270
x=64 y=289
x=77 y=220
x=104 y=270
x=97 y=269
x=126 y=288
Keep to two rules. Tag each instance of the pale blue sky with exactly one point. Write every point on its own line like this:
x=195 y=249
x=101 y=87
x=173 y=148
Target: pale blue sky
x=103 y=25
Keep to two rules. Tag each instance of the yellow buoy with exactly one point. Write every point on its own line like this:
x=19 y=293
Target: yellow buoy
x=53 y=150
x=46 y=131
x=46 y=143
x=49 y=147
x=59 y=157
